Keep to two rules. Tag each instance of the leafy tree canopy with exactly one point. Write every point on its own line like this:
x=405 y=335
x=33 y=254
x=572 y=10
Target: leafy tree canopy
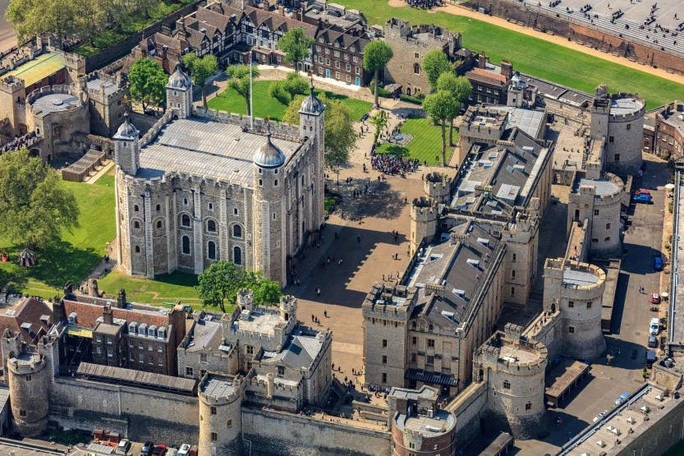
x=376 y=55
x=220 y=282
x=435 y=63
x=34 y=204
x=296 y=46
x=201 y=69
x=147 y=82
x=442 y=107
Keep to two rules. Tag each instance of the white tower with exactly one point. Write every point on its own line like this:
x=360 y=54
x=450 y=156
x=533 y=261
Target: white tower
x=312 y=125
x=179 y=93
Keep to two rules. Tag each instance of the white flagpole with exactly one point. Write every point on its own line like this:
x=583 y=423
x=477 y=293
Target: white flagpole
x=251 y=107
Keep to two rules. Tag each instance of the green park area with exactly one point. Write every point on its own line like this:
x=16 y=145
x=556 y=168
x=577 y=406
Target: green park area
x=267 y=106
x=77 y=253
x=426 y=144
x=164 y=290
x=531 y=55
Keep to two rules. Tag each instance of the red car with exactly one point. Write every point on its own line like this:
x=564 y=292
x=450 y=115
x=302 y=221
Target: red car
x=655 y=298
x=159 y=450
x=641 y=191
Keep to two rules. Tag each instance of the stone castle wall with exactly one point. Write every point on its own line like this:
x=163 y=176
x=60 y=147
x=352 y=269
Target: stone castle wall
x=273 y=433
x=646 y=55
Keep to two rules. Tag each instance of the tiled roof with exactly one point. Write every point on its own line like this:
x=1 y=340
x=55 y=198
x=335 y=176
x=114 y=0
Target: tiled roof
x=27 y=312
x=488 y=77
x=87 y=314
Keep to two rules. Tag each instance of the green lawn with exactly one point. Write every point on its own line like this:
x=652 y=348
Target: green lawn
x=78 y=252
x=164 y=290
x=531 y=55
x=426 y=144
x=267 y=106
x=111 y=36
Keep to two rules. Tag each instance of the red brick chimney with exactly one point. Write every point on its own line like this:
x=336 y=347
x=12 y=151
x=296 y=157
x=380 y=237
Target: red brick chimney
x=506 y=69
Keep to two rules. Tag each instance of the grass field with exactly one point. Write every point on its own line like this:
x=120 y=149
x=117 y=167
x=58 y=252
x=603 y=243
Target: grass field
x=77 y=253
x=531 y=55
x=165 y=290
x=267 y=106
x=426 y=145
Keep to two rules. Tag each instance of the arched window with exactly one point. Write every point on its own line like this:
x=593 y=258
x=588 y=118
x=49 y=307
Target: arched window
x=237 y=255
x=158 y=208
x=159 y=224
x=211 y=250
x=237 y=231
x=136 y=225
x=416 y=68
x=186 y=245
x=185 y=220
x=136 y=208
x=211 y=226
x=137 y=249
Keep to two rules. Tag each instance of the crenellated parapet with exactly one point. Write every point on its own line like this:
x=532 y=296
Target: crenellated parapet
x=437 y=187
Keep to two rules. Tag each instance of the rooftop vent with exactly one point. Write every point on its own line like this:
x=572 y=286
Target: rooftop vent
x=483 y=241
x=447 y=314
x=458 y=292
x=73 y=318
x=473 y=262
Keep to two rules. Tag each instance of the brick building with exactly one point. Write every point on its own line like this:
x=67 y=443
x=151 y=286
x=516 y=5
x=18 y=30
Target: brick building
x=668 y=141
x=30 y=319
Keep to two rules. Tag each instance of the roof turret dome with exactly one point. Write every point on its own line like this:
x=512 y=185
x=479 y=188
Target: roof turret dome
x=269 y=155
x=312 y=104
x=179 y=79
x=127 y=130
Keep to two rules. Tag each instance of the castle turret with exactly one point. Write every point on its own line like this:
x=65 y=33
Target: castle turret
x=269 y=211
x=514 y=368
x=179 y=93
x=127 y=147
x=437 y=187
x=576 y=290
x=220 y=401
x=312 y=125
x=424 y=217
x=28 y=375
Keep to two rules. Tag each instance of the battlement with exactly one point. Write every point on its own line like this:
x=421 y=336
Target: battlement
x=217 y=390
x=511 y=351
x=389 y=301
x=261 y=126
x=11 y=84
x=26 y=364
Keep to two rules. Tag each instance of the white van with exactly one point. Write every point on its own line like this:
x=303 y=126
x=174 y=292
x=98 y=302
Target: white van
x=655 y=326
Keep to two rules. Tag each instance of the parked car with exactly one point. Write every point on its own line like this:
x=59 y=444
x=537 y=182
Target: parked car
x=600 y=416
x=654 y=327
x=642 y=198
x=652 y=341
x=658 y=263
x=641 y=191
x=184 y=450
x=655 y=298
x=650 y=358
x=123 y=447
x=159 y=450
x=622 y=399
x=147 y=449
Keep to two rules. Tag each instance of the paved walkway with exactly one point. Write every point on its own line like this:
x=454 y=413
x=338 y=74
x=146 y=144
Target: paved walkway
x=559 y=40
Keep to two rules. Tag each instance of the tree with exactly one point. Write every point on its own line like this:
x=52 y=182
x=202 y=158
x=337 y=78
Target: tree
x=286 y=91
x=460 y=89
x=296 y=46
x=441 y=107
x=435 y=63
x=35 y=207
x=379 y=121
x=201 y=69
x=376 y=55
x=41 y=17
x=147 y=82
x=340 y=135
x=220 y=282
x=238 y=80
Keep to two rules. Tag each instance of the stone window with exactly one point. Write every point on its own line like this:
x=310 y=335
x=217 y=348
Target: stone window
x=506 y=384
x=416 y=68
x=281 y=371
x=136 y=225
x=186 y=245
x=136 y=208
x=214 y=436
x=594 y=240
x=611 y=139
x=261 y=183
x=571 y=329
x=158 y=207
x=236 y=212
x=22 y=412
x=211 y=226
x=213 y=410
x=203 y=357
x=384 y=343
x=384 y=359
x=413 y=339
x=250 y=349
x=237 y=255
x=514 y=258
x=528 y=406
x=137 y=249
x=210 y=206
x=589 y=305
x=185 y=201
x=237 y=231
x=431 y=343
x=617 y=157
x=417 y=55
x=430 y=360
x=159 y=224
x=229 y=424
x=607 y=239
x=629 y=127
x=607 y=226
x=513 y=274
x=596 y=212
x=275 y=183
x=384 y=377
x=211 y=250
x=571 y=304
x=185 y=220
x=512 y=291
x=28 y=378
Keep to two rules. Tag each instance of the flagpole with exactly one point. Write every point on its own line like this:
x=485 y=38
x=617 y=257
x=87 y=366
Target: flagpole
x=251 y=108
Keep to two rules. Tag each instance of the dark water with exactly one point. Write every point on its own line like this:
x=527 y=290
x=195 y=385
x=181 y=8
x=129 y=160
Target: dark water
x=677 y=450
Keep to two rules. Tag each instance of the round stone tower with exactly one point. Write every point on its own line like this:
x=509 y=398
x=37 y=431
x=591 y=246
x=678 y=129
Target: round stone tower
x=424 y=217
x=576 y=289
x=437 y=187
x=220 y=424
x=619 y=119
x=269 y=211
x=28 y=377
x=514 y=367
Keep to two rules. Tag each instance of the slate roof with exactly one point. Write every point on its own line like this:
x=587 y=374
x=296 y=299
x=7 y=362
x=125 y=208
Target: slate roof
x=27 y=312
x=87 y=314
